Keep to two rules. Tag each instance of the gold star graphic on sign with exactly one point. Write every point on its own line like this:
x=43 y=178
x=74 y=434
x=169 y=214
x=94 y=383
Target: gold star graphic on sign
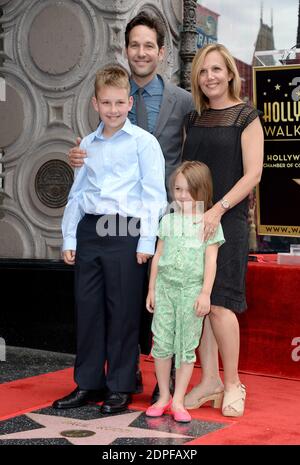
x=277 y=87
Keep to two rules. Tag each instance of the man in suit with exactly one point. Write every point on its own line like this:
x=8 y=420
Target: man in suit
x=166 y=104
x=159 y=107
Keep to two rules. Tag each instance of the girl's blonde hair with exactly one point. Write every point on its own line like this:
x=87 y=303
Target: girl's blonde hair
x=200 y=99
x=199 y=181
x=112 y=75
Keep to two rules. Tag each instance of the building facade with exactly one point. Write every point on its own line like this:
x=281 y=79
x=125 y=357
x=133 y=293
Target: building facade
x=49 y=52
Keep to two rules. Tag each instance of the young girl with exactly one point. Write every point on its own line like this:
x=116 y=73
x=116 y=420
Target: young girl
x=182 y=275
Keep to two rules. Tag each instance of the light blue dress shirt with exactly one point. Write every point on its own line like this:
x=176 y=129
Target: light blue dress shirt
x=123 y=174
x=152 y=94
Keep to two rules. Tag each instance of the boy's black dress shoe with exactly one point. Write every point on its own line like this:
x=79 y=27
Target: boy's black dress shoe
x=115 y=402
x=77 y=398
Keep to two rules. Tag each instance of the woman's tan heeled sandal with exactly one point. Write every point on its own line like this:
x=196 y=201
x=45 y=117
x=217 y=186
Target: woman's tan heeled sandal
x=215 y=400
x=234 y=402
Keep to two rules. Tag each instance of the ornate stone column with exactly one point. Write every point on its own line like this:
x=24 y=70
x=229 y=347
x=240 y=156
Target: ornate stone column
x=2 y=95
x=298 y=28
x=1 y=38
x=188 y=41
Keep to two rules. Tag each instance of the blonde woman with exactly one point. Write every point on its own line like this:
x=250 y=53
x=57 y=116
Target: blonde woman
x=226 y=134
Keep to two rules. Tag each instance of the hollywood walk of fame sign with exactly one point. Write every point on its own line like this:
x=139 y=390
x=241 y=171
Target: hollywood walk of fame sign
x=277 y=96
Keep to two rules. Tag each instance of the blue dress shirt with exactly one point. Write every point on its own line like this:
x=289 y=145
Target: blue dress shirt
x=123 y=174
x=152 y=94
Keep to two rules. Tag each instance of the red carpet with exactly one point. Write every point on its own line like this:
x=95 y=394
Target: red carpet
x=272 y=410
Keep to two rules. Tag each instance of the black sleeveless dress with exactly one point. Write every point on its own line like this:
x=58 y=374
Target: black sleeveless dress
x=214 y=138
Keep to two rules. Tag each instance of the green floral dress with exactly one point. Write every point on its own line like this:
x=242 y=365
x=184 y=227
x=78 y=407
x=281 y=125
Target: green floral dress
x=176 y=328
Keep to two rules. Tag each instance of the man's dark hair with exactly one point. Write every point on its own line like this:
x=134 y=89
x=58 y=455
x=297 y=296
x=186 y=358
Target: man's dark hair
x=145 y=19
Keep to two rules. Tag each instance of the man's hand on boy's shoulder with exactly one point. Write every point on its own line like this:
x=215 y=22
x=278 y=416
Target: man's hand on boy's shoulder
x=142 y=257
x=76 y=155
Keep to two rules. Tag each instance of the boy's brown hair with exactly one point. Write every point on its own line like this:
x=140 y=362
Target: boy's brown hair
x=114 y=76
x=199 y=180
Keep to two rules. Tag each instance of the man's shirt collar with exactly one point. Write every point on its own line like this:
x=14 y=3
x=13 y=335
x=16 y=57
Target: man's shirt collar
x=151 y=88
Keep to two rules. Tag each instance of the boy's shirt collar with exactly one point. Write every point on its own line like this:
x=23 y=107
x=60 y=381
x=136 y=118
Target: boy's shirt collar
x=127 y=127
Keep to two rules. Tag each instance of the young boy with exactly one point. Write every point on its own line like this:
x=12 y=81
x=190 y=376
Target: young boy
x=120 y=183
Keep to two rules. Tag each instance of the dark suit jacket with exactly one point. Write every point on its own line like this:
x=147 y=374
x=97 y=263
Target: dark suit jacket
x=176 y=103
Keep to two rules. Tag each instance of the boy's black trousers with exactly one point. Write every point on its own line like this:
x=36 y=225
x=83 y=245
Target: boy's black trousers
x=109 y=286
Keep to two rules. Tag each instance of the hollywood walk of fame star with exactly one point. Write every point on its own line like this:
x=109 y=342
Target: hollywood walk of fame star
x=102 y=431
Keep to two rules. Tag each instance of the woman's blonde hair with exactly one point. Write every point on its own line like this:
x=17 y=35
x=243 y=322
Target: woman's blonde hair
x=199 y=181
x=114 y=75
x=200 y=99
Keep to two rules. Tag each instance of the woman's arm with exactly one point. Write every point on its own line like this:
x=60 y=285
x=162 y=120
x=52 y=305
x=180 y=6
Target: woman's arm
x=252 y=153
